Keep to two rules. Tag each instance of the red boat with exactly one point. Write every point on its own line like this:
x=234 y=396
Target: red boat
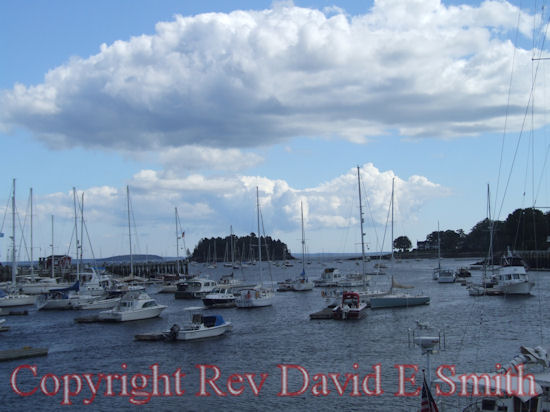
x=351 y=307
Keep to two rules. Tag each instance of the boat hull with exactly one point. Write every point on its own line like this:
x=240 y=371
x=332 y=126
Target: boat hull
x=9 y=301
x=126 y=316
x=204 y=333
x=389 y=301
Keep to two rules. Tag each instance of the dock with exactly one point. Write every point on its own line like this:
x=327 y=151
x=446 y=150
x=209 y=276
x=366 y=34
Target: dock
x=325 y=313
x=13 y=312
x=150 y=337
x=25 y=352
x=88 y=319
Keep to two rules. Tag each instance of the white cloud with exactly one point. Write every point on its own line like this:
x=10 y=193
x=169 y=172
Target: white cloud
x=254 y=78
x=207 y=205
x=207 y=158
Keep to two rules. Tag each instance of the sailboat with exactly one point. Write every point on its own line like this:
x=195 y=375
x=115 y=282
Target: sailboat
x=353 y=304
x=13 y=297
x=393 y=299
x=302 y=283
x=134 y=304
x=257 y=296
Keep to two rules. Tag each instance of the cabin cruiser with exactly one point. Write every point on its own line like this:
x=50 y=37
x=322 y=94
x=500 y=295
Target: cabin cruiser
x=330 y=277
x=195 y=288
x=134 y=305
x=220 y=297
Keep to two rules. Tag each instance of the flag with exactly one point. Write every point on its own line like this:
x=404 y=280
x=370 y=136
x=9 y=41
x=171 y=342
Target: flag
x=182 y=235
x=428 y=403
x=1 y=234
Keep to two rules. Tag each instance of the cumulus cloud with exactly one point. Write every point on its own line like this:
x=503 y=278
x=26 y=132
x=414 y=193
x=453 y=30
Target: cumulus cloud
x=208 y=205
x=254 y=78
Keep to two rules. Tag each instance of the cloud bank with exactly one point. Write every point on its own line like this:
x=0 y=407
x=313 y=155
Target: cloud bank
x=249 y=79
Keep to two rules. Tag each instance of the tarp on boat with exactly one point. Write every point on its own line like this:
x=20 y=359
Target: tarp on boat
x=213 y=320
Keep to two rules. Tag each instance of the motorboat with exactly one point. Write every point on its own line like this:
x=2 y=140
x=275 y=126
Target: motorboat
x=351 y=307
x=201 y=327
x=446 y=276
x=220 y=297
x=42 y=285
x=133 y=305
x=329 y=278
x=195 y=288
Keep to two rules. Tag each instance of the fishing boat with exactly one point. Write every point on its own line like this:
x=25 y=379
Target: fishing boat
x=134 y=305
x=201 y=327
x=351 y=307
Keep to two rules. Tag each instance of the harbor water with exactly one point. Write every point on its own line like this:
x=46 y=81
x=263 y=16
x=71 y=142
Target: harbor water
x=268 y=343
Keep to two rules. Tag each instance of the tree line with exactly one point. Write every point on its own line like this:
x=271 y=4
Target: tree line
x=243 y=249
x=523 y=229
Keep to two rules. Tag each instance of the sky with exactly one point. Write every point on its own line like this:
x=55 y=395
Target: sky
x=193 y=105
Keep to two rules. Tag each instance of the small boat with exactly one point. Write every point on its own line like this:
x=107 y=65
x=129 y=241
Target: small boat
x=133 y=305
x=106 y=303
x=220 y=297
x=201 y=327
x=351 y=307
x=254 y=298
x=329 y=278
x=195 y=288
x=446 y=276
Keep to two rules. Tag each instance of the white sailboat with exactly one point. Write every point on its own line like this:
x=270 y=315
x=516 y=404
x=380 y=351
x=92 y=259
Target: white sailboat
x=393 y=299
x=258 y=296
x=302 y=283
x=13 y=297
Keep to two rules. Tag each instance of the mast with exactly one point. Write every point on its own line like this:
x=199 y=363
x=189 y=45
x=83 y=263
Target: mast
x=13 y=253
x=76 y=235
x=82 y=228
x=392 y=190
x=232 y=249
x=361 y=220
x=32 y=260
x=129 y=231
x=259 y=233
x=52 y=259
x=438 y=248
x=303 y=241
x=177 y=244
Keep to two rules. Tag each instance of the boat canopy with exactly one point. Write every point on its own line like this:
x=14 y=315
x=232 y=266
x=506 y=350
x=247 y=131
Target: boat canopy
x=213 y=320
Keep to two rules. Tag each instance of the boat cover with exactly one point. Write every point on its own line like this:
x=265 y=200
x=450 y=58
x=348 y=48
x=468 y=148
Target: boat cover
x=213 y=320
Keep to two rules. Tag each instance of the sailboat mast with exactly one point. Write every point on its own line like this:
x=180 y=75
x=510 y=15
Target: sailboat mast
x=129 y=231
x=259 y=233
x=52 y=259
x=177 y=244
x=32 y=260
x=361 y=220
x=76 y=233
x=81 y=228
x=13 y=252
x=392 y=191
x=303 y=240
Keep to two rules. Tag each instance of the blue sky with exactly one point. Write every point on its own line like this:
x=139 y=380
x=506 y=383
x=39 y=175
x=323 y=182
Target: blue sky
x=197 y=111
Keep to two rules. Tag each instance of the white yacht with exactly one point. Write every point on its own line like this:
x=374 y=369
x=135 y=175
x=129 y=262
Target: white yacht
x=134 y=305
x=254 y=298
x=330 y=277
x=446 y=276
x=195 y=288
x=201 y=327
x=220 y=297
